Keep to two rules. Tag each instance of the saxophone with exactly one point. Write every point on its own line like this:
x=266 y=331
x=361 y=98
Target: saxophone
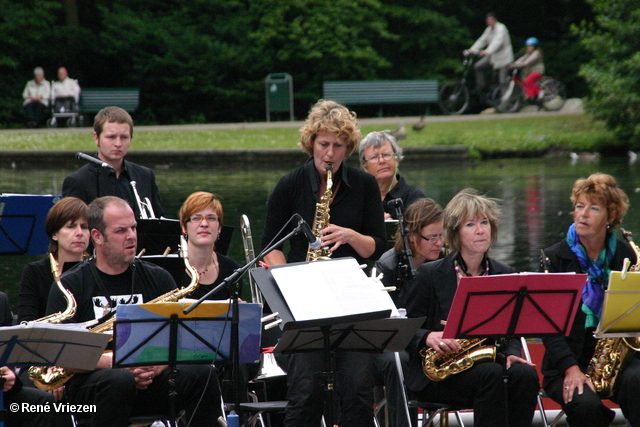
x=612 y=355
x=438 y=367
x=59 y=376
x=52 y=377
x=321 y=219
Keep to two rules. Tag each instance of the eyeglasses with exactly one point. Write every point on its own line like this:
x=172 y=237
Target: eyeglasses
x=433 y=239
x=198 y=218
x=376 y=159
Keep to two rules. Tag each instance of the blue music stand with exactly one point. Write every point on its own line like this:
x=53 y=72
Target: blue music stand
x=22 y=218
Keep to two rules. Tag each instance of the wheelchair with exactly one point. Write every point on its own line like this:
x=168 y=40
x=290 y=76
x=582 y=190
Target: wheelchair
x=65 y=110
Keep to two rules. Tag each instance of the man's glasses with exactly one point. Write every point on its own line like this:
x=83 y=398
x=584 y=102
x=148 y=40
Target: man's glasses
x=433 y=239
x=376 y=159
x=198 y=218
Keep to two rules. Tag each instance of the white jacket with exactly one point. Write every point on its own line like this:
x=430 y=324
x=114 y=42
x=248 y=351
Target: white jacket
x=496 y=41
x=67 y=88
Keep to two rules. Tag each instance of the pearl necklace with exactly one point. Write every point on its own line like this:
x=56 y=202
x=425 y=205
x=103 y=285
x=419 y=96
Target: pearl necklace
x=462 y=272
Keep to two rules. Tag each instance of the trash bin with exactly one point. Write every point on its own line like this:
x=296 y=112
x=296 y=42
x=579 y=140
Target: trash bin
x=279 y=94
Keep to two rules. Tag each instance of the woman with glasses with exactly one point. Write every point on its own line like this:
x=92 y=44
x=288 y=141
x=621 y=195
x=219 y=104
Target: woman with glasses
x=201 y=218
x=470 y=227
x=380 y=155
x=423 y=222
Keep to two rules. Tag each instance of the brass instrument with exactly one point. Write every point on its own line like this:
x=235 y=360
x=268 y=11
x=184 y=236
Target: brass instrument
x=321 y=219
x=145 y=208
x=438 y=367
x=247 y=242
x=52 y=377
x=61 y=376
x=612 y=355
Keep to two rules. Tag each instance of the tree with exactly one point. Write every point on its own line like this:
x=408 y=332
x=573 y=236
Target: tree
x=613 y=40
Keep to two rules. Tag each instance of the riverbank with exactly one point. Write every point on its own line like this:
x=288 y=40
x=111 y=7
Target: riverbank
x=441 y=137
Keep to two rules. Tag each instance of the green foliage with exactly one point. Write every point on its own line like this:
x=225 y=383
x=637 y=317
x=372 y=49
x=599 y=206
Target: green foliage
x=614 y=43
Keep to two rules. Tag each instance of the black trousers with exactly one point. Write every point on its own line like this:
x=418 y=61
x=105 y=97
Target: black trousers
x=35 y=112
x=386 y=373
x=353 y=390
x=116 y=397
x=587 y=409
x=481 y=388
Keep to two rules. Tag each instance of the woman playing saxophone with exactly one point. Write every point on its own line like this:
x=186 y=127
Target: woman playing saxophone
x=590 y=247
x=355 y=229
x=470 y=227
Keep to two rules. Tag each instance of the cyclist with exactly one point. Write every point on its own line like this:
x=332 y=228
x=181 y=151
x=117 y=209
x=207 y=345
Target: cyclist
x=532 y=66
x=494 y=46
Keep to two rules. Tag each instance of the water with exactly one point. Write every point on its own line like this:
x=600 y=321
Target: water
x=533 y=193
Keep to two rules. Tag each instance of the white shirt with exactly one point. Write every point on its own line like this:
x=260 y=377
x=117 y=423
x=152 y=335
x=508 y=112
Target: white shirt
x=67 y=88
x=498 y=45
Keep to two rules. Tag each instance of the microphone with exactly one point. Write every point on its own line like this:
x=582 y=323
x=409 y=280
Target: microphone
x=395 y=203
x=93 y=160
x=314 y=242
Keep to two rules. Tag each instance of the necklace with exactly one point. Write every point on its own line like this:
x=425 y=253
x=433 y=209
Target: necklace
x=215 y=265
x=462 y=271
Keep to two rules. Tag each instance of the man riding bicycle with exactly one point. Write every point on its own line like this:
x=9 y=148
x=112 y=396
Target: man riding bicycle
x=494 y=47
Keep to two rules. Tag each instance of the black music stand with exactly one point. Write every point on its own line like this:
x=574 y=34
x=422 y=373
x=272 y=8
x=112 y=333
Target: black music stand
x=504 y=306
x=371 y=332
x=156 y=234
x=159 y=334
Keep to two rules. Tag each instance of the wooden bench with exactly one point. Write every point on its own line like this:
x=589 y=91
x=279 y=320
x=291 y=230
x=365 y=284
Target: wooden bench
x=381 y=91
x=94 y=100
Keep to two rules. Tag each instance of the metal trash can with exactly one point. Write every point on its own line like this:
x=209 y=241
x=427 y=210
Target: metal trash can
x=279 y=94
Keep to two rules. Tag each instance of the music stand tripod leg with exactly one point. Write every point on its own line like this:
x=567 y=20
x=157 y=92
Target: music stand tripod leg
x=328 y=377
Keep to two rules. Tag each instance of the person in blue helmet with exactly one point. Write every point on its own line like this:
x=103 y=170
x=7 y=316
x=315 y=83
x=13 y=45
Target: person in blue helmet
x=532 y=66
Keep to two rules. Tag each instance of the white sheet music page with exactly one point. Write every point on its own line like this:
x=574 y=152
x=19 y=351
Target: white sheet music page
x=331 y=288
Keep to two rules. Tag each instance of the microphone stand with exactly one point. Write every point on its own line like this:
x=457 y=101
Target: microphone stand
x=231 y=282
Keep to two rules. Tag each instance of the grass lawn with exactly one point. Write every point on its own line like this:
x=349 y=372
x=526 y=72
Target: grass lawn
x=575 y=132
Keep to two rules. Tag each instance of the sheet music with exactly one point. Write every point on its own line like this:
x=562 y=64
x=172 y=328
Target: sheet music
x=330 y=288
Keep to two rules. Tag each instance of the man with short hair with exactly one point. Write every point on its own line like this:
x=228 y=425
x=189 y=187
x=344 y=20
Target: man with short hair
x=112 y=133
x=494 y=46
x=36 y=98
x=114 y=276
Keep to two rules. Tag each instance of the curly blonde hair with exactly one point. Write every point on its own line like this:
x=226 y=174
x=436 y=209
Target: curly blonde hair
x=329 y=116
x=602 y=188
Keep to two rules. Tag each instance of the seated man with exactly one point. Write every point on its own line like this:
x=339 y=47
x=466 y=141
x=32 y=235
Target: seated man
x=113 y=276
x=65 y=92
x=36 y=98
x=15 y=393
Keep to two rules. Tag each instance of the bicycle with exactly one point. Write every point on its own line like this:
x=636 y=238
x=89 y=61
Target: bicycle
x=454 y=96
x=512 y=96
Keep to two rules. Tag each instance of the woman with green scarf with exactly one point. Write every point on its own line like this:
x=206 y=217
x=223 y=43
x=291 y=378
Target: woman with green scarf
x=590 y=247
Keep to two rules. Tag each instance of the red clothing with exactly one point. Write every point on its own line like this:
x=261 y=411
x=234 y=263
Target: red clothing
x=530 y=85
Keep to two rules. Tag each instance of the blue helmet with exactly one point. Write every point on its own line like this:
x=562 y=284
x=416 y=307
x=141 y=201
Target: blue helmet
x=532 y=41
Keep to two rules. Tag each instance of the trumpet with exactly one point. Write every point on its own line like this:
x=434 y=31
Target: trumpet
x=145 y=208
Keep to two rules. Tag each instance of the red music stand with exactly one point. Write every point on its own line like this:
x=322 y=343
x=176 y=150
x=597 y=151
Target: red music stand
x=527 y=305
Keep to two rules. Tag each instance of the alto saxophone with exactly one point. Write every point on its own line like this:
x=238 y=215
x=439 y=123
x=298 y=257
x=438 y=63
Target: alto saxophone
x=438 y=367
x=612 y=355
x=321 y=219
x=61 y=376
x=52 y=377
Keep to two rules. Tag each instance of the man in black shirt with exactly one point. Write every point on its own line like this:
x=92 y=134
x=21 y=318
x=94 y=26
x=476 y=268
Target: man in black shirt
x=99 y=284
x=112 y=132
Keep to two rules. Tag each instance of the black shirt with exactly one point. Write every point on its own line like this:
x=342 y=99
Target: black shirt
x=149 y=281
x=227 y=267
x=92 y=181
x=402 y=190
x=356 y=205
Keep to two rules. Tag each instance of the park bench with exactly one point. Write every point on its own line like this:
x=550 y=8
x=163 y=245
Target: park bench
x=94 y=100
x=381 y=92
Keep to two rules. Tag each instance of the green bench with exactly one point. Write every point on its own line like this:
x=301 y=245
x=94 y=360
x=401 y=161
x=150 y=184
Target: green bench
x=94 y=100
x=381 y=92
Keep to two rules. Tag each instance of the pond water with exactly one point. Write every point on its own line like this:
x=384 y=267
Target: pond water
x=533 y=193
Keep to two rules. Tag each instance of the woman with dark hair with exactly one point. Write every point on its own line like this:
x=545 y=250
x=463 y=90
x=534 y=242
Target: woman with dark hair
x=590 y=247
x=470 y=228
x=66 y=226
x=201 y=217
x=423 y=223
